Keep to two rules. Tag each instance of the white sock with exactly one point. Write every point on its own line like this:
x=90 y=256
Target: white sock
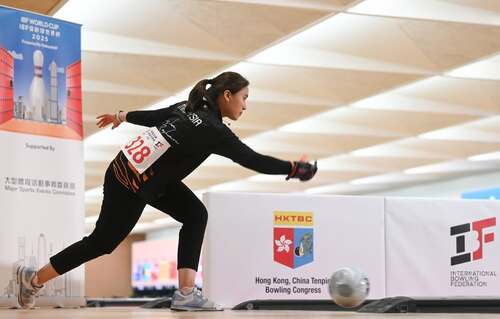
x=186 y=290
x=34 y=282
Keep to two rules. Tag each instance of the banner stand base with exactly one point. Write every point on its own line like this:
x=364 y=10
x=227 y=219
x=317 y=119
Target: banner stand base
x=118 y=302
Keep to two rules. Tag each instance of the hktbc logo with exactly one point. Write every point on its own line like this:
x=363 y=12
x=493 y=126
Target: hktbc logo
x=459 y=231
x=293 y=238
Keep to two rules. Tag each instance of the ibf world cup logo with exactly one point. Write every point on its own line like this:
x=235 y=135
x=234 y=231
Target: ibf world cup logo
x=293 y=238
x=483 y=237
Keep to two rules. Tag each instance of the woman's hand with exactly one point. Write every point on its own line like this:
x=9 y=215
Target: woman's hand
x=105 y=119
x=302 y=169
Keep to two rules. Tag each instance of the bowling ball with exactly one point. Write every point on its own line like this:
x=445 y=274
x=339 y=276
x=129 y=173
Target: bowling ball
x=348 y=287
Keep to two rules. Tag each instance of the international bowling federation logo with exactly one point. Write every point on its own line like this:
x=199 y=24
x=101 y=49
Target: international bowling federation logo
x=293 y=238
x=484 y=236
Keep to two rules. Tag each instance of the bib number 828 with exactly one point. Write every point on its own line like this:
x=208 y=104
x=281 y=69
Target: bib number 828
x=137 y=152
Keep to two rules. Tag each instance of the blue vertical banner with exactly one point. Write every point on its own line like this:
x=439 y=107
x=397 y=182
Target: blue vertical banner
x=40 y=70
x=41 y=167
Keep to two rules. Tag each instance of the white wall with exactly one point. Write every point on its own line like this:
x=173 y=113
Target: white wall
x=164 y=233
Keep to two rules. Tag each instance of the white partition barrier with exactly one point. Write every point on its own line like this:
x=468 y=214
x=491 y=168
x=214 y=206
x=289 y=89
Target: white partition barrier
x=442 y=248
x=272 y=246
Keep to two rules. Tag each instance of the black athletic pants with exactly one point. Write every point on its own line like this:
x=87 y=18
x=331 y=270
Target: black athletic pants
x=121 y=210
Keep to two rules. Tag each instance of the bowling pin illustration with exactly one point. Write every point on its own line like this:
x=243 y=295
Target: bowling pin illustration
x=38 y=108
x=53 y=99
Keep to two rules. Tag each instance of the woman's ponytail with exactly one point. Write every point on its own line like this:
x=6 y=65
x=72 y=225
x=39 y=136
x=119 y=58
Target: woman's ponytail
x=197 y=95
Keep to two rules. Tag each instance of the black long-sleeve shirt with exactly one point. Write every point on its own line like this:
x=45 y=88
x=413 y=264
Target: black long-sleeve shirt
x=193 y=136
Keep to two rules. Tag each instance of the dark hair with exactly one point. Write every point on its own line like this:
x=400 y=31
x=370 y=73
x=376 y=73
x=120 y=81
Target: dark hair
x=231 y=81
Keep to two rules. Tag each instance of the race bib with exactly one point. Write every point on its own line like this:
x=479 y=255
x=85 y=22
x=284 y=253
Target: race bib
x=143 y=150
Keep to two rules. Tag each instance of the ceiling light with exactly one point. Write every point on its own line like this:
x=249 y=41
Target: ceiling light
x=455 y=10
x=319 y=189
x=485 y=157
x=166 y=221
x=372 y=180
x=91 y=219
x=139 y=227
x=488 y=69
x=94 y=192
x=265 y=178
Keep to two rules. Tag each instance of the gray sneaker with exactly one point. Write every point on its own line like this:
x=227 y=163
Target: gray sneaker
x=25 y=291
x=193 y=302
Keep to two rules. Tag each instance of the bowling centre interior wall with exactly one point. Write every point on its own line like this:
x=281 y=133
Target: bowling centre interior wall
x=41 y=167
x=110 y=275
x=154 y=265
x=272 y=246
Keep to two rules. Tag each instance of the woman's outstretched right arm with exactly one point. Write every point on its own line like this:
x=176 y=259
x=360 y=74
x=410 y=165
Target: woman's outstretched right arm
x=144 y=118
x=232 y=147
